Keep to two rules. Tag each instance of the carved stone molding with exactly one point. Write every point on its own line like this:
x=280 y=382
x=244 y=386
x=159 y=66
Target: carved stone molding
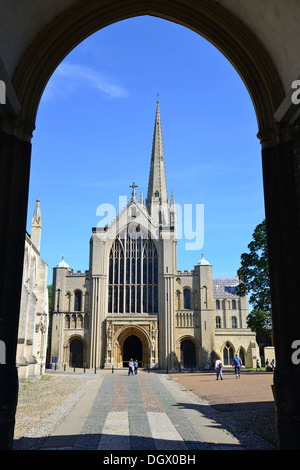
x=279 y=133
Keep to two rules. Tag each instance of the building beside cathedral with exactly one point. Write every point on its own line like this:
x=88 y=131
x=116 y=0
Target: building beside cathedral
x=132 y=302
x=33 y=320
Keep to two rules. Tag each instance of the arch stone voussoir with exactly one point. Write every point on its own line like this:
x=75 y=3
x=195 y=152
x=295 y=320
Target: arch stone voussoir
x=205 y=17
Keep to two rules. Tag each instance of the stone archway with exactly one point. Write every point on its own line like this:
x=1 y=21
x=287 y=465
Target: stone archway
x=280 y=161
x=131 y=341
x=207 y=18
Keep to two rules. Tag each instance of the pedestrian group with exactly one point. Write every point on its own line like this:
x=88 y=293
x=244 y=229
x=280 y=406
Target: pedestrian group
x=237 y=364
x=133 y=367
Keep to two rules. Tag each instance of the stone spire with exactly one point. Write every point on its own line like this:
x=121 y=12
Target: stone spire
x=36 y=226
x=141 y=198
x=172 y=205
x=157 y=186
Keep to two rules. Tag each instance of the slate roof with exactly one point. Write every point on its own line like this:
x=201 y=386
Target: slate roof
x=225 y=286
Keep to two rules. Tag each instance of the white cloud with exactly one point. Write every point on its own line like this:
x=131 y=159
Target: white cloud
x=73 y=78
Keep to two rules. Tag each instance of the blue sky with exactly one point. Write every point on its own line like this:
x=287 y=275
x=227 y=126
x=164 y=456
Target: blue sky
x=94 y=132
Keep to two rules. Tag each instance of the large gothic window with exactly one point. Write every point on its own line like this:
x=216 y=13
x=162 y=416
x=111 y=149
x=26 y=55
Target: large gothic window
x=133 y=275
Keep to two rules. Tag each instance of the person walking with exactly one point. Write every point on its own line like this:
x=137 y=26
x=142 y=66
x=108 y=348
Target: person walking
x=131 y=367
x=218 y=369
x=136 y=365
x=237 y=363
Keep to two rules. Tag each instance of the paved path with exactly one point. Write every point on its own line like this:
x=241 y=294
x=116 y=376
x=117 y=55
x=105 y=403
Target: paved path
x=145 y=412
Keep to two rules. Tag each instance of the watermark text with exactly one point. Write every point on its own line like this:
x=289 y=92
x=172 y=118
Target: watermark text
x=2 y=92
x=296 y=93
x=185 y=222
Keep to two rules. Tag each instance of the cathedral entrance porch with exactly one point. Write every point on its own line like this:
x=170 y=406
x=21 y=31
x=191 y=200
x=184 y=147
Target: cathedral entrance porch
x=134 y=340
x=132 y=349
x=73 y=352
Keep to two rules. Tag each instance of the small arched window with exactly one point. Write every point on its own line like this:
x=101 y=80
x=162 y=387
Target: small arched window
x=242 y=355
x=233 y=322
x=234 y=305
x=217 y=304
x=227 y=354
x=218 y=322
x=77 y=301
x=187 y=298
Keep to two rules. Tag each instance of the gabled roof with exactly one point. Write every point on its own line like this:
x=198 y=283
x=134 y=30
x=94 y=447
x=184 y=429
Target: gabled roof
x=133 y=216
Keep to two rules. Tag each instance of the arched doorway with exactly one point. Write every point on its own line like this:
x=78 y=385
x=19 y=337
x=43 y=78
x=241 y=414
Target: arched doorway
x=132 y=348
x=76 y=353
x=228 y=32
x=131 y=342
x=188 y=354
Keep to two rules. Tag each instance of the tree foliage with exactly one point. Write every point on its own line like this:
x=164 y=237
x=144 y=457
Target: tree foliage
x=49 y=296
x=255 y=281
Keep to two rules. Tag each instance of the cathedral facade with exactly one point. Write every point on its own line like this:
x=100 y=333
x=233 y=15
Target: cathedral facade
x=132 y=302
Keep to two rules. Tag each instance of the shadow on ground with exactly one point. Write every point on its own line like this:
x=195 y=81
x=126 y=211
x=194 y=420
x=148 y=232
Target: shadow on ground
x=118 y=443
x=252 y=423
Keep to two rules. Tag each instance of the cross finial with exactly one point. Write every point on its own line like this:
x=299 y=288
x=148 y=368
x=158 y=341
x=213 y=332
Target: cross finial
x=157 y=98
x=133 y=186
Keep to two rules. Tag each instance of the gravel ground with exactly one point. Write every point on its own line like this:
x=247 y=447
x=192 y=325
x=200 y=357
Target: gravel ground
x=43 y=403
x=245 y=408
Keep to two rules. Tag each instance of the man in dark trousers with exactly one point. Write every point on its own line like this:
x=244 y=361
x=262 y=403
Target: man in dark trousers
x=237 y=363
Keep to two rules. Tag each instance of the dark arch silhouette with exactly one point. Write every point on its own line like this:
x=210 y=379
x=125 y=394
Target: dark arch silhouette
x=188 y=354
x=280 y=162
x=132 y=348
x=76 y=353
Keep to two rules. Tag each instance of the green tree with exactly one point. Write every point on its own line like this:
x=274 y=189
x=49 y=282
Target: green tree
x=255 y=282
x=50 y=296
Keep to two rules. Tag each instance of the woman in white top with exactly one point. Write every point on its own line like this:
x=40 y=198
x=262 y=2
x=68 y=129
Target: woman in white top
x=218 y=368
x=131 y=367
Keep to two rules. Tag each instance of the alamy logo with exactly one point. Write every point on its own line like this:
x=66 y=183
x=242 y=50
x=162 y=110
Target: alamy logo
x=189 y=222
x=2 y=92
x=296 y=354
x=2 y=352
x=296 y=94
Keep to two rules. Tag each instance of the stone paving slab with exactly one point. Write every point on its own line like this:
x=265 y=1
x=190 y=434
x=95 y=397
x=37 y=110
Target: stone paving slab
x=147 y=412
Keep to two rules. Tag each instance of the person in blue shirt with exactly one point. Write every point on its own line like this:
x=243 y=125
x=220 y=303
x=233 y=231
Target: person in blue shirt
x=237 y=363
x=136 y=364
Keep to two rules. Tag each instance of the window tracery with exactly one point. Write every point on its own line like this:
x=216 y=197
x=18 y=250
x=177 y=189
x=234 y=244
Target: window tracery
x=133 y=275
